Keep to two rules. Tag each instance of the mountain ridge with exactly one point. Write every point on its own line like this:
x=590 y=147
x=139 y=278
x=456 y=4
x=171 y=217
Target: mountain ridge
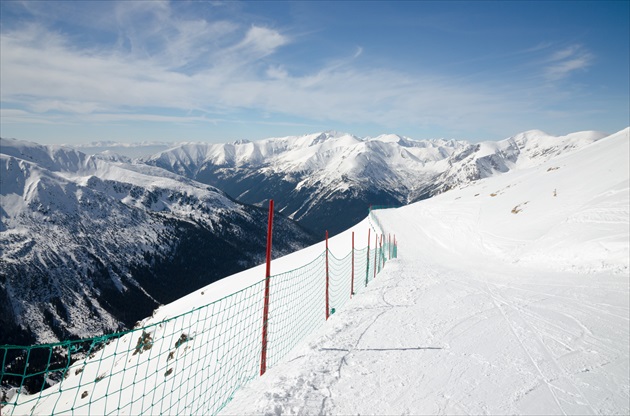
x=302 y=171
x=533 y=260
x=90 y=246
x=126 y=226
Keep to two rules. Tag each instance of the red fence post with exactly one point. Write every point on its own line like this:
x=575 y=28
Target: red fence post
x=263 y=357
x=367 y=263
x=352 y=281
x=327 y=306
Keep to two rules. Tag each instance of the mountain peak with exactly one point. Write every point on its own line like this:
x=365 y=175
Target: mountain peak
x=305 y=174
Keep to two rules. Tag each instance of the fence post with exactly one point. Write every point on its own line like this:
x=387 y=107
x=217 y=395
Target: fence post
x=327 y=306
x=382 y=253
x=375 y=252
x=367 y=263
x=263 y=357
x=352 y=278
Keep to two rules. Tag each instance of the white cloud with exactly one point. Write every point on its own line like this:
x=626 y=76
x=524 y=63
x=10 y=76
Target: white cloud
x=21 y=116
x=176 y=64
x=277 y=72
x=262 y=41
x=150 y=31
x=11 y=115
x=568 y=60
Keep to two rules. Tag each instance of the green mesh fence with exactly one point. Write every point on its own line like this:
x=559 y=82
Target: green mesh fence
x=188 y=364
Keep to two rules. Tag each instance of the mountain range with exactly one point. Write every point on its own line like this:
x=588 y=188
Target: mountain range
x=90 y=245
x=509 y=295
x=327 y=181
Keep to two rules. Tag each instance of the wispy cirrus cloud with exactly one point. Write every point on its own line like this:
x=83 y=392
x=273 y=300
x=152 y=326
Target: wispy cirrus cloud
x=44 y=72
x=568 y=60
x=261 y=41
x=157 y=65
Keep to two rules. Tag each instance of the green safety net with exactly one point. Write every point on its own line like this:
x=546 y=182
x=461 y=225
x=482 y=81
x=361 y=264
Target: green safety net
x=192 y=363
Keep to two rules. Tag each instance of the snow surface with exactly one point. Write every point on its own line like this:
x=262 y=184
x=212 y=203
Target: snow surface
x=510 y=295
x=486 y=311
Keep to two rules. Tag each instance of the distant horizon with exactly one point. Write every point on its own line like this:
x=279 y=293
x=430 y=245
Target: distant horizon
x=147 y=143
x=130 y=71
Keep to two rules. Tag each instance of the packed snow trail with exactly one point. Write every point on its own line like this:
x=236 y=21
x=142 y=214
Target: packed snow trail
x=425 y=339
x=486 y=311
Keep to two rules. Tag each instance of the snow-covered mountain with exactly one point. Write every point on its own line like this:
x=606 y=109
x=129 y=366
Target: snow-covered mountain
x=510 y=295
x=90 y=245
x=327 y=180
x=525 y=150
x=92 y=232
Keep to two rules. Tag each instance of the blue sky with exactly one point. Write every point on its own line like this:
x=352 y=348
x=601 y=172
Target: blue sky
x=80 y=71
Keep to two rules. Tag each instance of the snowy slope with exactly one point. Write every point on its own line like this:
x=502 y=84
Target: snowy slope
x=330 y=178
x=524 y=150
x=487 y=311
x=494 y=306
x=90 y=246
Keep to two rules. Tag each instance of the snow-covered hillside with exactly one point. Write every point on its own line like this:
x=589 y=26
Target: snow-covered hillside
x=524 y=150
x=510 y=295
x=329 y=179
x=90 y=246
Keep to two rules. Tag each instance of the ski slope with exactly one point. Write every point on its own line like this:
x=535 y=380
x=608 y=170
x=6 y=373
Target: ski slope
x=509 y=296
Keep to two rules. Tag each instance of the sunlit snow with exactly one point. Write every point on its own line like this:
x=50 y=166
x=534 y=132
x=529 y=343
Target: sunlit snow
x=510 y=296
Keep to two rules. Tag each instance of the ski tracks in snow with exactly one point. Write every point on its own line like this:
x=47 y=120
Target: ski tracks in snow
x=563 y=352
x=340 y=368
x=425 y=338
